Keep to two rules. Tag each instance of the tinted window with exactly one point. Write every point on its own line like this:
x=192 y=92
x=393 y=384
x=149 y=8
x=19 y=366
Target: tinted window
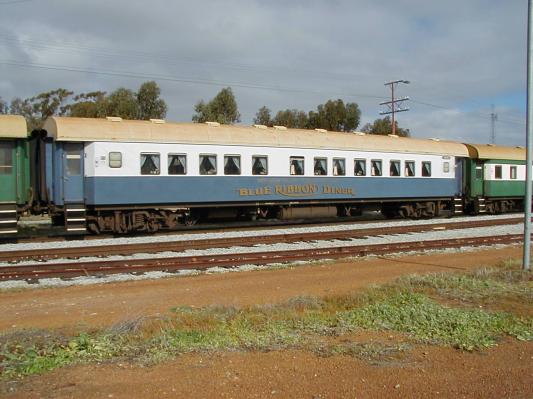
x=259 y=165
x=115 y=159
x=177 y=164
x=479 y=172
x=232 y=165
x=498 y=171
x=297 y=166
x=513 y=172
x=446 y=167
x=394 y=169
x=426 y=169
x=150 y=164
x=376 y=167
x=339 y=167
x=6 y=157
x=208 y=164
x=321 y=166
x=409 y=168
x=359 y=167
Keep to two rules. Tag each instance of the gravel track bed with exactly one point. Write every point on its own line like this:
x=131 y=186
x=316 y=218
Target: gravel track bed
x=235 y=234
x=385 y=239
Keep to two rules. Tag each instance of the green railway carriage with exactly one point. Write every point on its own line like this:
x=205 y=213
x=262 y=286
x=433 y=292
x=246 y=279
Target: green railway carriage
x=494 y=179
x=14 y=171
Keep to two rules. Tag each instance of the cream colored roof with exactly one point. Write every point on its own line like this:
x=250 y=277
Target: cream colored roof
x=489 y=151
x=84 y=129
x=13 y=126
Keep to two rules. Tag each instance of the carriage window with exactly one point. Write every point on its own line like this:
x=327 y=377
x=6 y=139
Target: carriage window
x=394 y=169
x=6 y=158
x=177 y=164
x=409 y=168
x=426 y=169
x=513 y=172
x=297 y=166
x=259 y=165
x=339 y=167
x=376 y=167
x=321 y=166
x=479 y=172
x=208 y=164
x=115 y=160
x=150 y=164
x=359 y=167
x=446 y=167
x=498 y=172
x=232 y=165
x=72 y=154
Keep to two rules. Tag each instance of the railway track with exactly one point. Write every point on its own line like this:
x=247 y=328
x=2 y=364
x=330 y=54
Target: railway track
x=173 y=264
x=39 y=255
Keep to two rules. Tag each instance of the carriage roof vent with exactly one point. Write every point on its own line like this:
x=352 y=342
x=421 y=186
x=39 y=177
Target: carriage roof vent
x=360 y=133
x=393 y=135
x=213 y=124
x=520 y=146
x=260 y=126
x=321 y=130
x=490 y=145
x=280 y=127
x=158 y=121
x=434 y=139
x=114 y=118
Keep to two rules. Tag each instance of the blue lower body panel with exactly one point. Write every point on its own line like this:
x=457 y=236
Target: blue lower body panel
x=231 y=189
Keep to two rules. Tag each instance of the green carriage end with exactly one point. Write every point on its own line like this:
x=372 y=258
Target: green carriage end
x=14 y=161
x=494 y=178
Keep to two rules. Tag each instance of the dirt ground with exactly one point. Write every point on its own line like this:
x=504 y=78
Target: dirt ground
x=505 y=371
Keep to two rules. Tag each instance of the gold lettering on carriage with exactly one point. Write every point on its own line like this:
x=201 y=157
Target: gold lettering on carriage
x=295 y=190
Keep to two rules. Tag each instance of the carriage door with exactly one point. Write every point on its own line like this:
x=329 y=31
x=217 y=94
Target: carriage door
x=8 y=182
x=73 y=173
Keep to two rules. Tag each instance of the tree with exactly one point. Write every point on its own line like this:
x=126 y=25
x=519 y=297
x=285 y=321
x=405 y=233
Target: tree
x=3 y=107
x=291 y=118
x=89 y=105
x=37 y=109
x=263 y=117
x=123 y=103
x=222 y=109
x=384 y=127
x=334 y=115
x=150 y=105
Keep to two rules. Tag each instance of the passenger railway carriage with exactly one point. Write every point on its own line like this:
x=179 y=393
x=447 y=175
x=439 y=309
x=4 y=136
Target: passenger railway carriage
x=14 y=171
x=494 y=179
x=121 y=176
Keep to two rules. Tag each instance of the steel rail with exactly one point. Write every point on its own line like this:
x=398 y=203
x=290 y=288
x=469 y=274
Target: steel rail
x=179 y=246
x=76 y=269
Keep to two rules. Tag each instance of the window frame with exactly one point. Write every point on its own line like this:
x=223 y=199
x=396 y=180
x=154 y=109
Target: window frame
x=240 y=164
x=109 y=156
x=514 y=175
x=336 y=172
x=8 y=168
x=315 y=159
x=406 y=168
x=296 y=158
x=184 y=166
x=498 y=172
x=200 y=164
x=430 y=168
x=158 y=154
x=253 y=162
x=399 y=169
x=376 y=161
x=362 y=162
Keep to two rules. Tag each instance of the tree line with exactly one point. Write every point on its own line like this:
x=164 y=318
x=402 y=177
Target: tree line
x=146 y=103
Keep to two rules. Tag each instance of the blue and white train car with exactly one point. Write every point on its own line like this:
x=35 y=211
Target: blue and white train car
x=120 y=176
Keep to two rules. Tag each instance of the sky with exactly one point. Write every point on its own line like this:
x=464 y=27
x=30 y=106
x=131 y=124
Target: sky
x=461 y=57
